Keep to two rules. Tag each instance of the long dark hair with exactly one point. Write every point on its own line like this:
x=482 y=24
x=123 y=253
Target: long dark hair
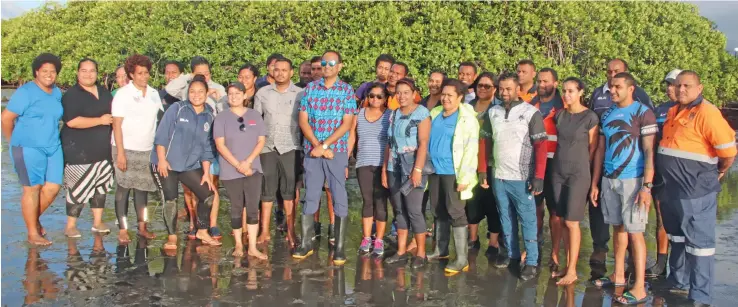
x=580 y=86
x=372 y=86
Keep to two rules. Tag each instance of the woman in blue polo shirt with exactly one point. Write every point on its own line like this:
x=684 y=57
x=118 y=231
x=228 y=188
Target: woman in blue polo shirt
x=31 y=122
x=184 y=151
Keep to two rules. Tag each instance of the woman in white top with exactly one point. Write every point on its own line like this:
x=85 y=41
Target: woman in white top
x=134 y=110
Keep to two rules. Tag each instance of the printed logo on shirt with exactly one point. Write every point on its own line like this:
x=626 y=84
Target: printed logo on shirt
x=184 y=120
x=252 y=123
x=206 y=127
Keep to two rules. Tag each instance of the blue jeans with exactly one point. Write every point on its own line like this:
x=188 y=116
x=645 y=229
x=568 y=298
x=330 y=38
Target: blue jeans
x=515 y=200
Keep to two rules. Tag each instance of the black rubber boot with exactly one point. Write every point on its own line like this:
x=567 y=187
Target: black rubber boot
x=443 y=237
x=306 y=244
x=461 y=263
x=339 y=258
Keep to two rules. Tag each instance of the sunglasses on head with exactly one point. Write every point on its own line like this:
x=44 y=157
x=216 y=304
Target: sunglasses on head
x=243 y=126
x=485 y=86
x=378 y=96
x=330 y=63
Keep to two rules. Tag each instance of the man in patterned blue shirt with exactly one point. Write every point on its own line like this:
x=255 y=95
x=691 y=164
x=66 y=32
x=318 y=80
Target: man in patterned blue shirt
x=326 y=113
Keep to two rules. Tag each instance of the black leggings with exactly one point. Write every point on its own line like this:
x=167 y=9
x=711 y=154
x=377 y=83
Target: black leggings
x=244 y=193
x=96 y=202
x=140 y=199
x=169 y=187
x=373 y=193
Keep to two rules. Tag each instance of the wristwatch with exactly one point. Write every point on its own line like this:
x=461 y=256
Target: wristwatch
x=648 y=185
x=324 y=146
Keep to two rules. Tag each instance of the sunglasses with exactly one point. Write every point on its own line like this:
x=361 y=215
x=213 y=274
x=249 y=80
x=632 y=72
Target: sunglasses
x=485 y=86
x=243 y=126
x=372 y=96
x=330 y=63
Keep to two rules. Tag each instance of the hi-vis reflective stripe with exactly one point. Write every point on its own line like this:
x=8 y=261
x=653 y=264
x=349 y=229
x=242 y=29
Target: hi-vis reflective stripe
x=676 y=239
x=552 y=138
x=550 y=155
x=700 y=251
x=687 y=155
x=725 y=146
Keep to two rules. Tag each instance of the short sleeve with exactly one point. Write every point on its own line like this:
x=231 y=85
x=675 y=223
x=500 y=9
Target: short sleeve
x=391 y=120
x=648 y=123
x=536 y=130
x=20 y=101
x=424 y=113
x=719 y=134
x=260 y=126
x=304 y=101
x=257 y=103
x=592 y=120
x=219 y=126
x=71 y=109
x=349 y=105
x=118 y=106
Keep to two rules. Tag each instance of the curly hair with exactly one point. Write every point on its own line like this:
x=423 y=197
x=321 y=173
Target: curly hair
x=46 y=58
x=136 y=60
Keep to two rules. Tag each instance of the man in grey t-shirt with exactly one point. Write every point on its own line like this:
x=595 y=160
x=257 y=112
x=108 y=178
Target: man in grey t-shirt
x=278 y=105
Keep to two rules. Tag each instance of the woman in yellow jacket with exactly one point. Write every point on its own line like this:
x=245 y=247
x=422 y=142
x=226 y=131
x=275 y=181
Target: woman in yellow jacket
x=453 y=149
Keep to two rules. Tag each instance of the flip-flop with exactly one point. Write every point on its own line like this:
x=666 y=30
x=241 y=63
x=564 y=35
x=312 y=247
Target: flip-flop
x=605 y=282
x=630 y=299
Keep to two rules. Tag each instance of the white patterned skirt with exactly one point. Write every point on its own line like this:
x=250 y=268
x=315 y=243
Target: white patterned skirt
x=85 y=180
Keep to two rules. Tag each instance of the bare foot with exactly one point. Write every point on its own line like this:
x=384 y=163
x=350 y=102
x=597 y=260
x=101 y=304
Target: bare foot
x=206 y=239
x=123 y=237
x=256 y=253
x=38 y=240
x=568 y=279
x=263 y=238
x=238 y=251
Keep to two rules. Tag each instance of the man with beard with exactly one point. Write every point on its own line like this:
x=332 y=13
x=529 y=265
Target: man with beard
x=382 y=66
x=269 y=77
x=625 y=152
x=435 y=79
x=548 y=102
x=527 y=76
x=515 y=145
x=467 y=75
x=306 y=75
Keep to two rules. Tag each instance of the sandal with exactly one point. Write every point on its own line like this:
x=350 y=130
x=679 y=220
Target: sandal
x=210 y=241
x=629 y=299
x=605 y=282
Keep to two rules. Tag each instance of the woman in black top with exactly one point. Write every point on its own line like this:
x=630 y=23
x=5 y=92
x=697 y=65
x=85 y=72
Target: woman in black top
x=85 y=138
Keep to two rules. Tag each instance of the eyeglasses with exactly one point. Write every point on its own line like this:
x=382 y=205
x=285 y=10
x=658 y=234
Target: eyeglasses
x=330 y=63
x=485 y=86
x=372 y=96
x=243 y=126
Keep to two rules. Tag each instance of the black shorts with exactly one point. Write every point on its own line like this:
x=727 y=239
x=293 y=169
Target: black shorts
x=279 y=175
x=548 y=193
x=571 y=183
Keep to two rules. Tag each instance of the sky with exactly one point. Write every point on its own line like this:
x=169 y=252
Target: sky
x=723 y=13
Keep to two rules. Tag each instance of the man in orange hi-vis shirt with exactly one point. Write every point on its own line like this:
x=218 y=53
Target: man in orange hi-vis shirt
x=527 y=76
x=398 y=71
x=697 y=147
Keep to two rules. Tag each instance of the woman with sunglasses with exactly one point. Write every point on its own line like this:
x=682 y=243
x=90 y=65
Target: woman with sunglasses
x=483 y=202
x=240 y=134
x=184 y=152
x=403 y=171
x=371 y=126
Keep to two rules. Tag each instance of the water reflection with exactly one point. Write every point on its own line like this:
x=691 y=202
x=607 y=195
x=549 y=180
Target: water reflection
x=96 y=271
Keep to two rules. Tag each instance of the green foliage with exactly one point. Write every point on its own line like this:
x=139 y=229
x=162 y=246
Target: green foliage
x=576 y=38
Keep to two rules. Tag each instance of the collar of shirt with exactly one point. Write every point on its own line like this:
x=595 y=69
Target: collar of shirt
x=138 y=93
x=206 y=110
x=605 y=88
x=322 y=83
x=696 y=102
x=291 y=88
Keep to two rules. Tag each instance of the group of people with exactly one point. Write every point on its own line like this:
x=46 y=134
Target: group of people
x=483 y=145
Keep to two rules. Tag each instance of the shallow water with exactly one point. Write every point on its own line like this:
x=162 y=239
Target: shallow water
x=95 y=271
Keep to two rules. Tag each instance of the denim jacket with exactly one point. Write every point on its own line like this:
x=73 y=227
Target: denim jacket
x=187 y=136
